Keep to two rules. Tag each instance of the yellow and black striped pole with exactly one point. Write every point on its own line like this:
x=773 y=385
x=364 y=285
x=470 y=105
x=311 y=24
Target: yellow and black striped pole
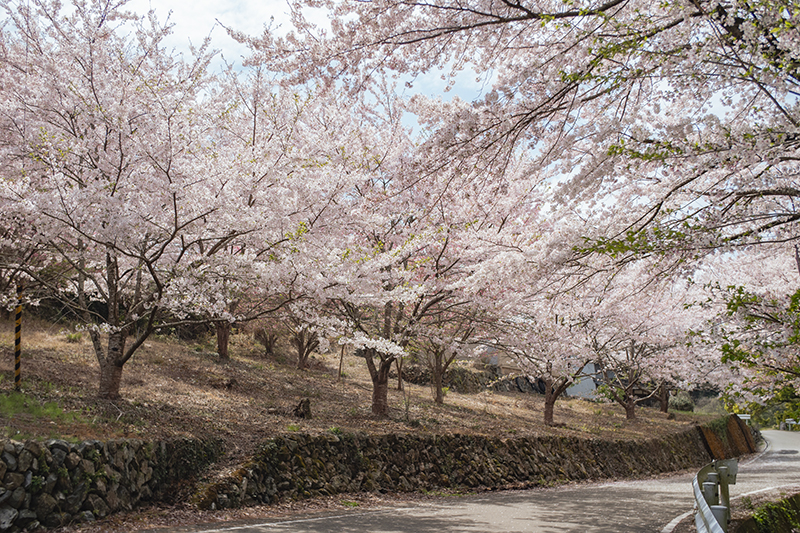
x=18 y=340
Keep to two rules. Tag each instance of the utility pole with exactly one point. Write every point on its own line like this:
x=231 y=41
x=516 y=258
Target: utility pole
x=18 y=340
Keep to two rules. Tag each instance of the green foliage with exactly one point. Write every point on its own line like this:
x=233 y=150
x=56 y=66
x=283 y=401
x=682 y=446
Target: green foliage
x=779 y=516
x=293 y=427
x=336 y=431
x=652 y=240
x=348 y=503
x=37 y=483
x=784 y=404
x=747 y=502
x=761 y=318
x=659 y=151
x=763 y=338
x=606 y=392
x=43 y=468
x=719 y=426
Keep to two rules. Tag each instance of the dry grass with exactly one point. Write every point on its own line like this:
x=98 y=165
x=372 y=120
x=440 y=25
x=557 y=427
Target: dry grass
x=173 y=388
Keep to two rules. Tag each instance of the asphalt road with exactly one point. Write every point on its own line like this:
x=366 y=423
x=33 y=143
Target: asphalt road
x=655 y=505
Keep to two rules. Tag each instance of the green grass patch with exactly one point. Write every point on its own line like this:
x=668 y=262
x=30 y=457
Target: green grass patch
x=16 y=403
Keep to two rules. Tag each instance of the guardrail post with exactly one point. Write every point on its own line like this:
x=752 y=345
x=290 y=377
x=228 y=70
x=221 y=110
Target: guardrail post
x=720 y=512
x=724 y=494
x=710 y=492
x=712 y=497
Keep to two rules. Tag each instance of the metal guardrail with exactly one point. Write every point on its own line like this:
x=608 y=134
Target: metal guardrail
x=711 y=495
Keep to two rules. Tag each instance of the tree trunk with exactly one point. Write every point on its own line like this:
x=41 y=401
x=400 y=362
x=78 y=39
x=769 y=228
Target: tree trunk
x=110 y=380
x=223 y=328
x=299 y=341
x=110 y=365
x=630 y=409
x=380 y=394
x=269 y=344
x=305 y=342
x=399 y=366
x=663 y=398
x=436 y=379
x=380 y=381
x=553 y=391
x=266 y=339
x=549 y=406
x=549 y=401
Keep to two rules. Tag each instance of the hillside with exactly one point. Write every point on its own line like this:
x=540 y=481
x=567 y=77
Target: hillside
x=174 y=389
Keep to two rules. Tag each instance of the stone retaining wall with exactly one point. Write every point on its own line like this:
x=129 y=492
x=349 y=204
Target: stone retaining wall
x=55 y=482
x=302 y=466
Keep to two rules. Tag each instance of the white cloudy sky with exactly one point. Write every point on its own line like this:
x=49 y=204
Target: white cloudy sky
x=195 y=19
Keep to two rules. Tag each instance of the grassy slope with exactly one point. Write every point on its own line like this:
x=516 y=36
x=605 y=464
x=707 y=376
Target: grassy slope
x=173 y=388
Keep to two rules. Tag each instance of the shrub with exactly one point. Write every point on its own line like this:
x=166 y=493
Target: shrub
x=681 y=402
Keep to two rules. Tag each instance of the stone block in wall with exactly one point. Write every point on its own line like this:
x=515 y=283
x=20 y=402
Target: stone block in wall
x=43 y=505
x=33 y=447
x=17 y=498
x=56 y=519
x=12 y=480
x=96 y=505
x=24 y=460
x=111 y=497
x=10 y=460
x=75 y=498
x=57 y=456
x=50 y=483
x=64 y=483
x=26 y=519
x=7 y=517
x=58 y=444
x=72 y=460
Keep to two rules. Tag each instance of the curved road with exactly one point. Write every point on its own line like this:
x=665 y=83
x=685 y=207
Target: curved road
x=655 y=505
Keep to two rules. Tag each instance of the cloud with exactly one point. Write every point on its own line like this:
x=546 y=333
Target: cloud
x=196 y=20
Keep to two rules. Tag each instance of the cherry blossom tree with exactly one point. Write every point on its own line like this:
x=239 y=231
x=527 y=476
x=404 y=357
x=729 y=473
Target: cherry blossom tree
x=412 y=260
x=639 y=334
x=440 y=342
x=109 y=165
x=549 y=346
x=269 y=144
x=390 y=292
x=685 y=109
